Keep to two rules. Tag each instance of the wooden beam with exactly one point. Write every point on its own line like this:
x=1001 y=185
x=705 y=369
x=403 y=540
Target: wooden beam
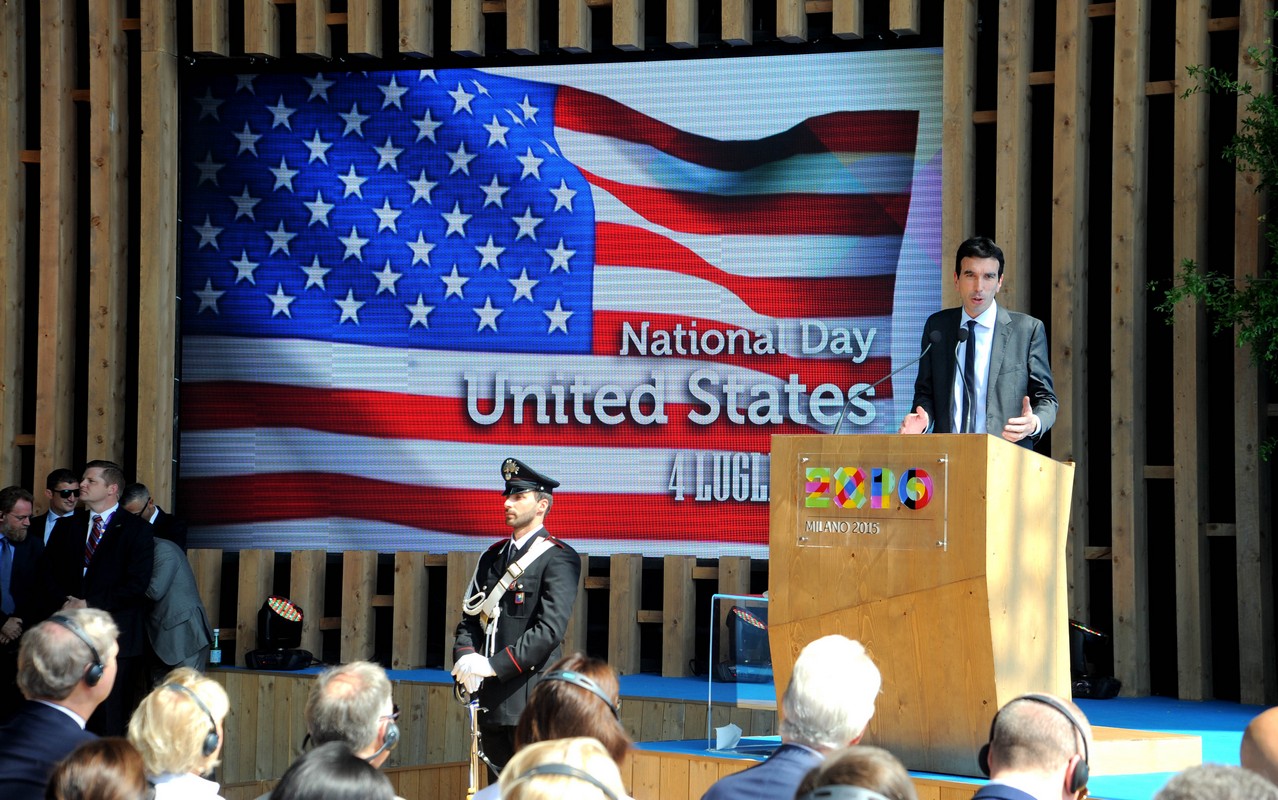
x=359 y=585
x=210 y=32
x=1129 y=523
x=157 y=248
x=523 y=31
x=1159 y=472
x=307 y=580
x=1189 y=365
x=1043 y=78
x=261 y=28
x=1013 y=149
x=1225 y=530
x=364 y=28
x=734 y=578
x=575 y=633
x=206 y=566
x=737 y=25
x=1160 y=87
x=410 y=612
x=682 y=24
x=958 y=136
x=59 y=187
x=905 y=17
x=1223 y=24
x=628 y=24
x=678 y=622
x=313 y=35
x=417 y=28
x=792 y=21
x=467 y=33
x=849 y=19
x=256 y=582
x=1071 y=173
x=1101 y=10
x=108 y=231
x=1253 y=548
x=29 y=156
x=625 y=572
x=461 y=567
x=575 y=30
x=13 y=243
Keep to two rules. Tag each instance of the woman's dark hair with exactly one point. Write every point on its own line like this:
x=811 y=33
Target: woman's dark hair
x=100 y=769
x=562 y=710
x=870 y=768
x=332 y=771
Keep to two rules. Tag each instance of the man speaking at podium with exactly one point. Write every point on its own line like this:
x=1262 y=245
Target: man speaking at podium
x=987 y=369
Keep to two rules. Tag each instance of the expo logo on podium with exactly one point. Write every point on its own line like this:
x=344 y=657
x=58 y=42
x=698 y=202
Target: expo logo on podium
x=858 y=488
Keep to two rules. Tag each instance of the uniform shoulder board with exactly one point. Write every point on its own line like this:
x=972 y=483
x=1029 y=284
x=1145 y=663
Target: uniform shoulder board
x=556 y=542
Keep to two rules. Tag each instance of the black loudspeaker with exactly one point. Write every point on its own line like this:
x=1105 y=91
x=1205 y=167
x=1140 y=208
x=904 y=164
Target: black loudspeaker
x=1081 y=772
x=211 y=740
x=278 y=659
x=92 y=672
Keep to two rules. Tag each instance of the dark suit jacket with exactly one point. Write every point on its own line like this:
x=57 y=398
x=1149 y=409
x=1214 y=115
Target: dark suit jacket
x=167 y=526
x=774 y=779
x=26 y=554
x=177 y=625
x=117 y=578
x=1018 y=368
x=999 y=791
x=32 y=741
x=530 y=630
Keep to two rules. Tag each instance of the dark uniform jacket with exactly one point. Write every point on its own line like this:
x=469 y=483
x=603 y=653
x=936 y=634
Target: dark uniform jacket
x=530 y=629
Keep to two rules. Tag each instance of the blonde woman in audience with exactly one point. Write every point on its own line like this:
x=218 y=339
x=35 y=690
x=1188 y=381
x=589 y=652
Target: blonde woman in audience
x=178 y=731
x=100 y=769
x=874 y=774
x=562 y=769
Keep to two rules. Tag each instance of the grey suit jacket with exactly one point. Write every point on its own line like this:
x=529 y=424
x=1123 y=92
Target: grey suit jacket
x=177 y=625
x=1018 y=369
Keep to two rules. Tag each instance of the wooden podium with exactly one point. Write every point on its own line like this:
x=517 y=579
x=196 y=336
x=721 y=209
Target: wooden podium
x=954 y=581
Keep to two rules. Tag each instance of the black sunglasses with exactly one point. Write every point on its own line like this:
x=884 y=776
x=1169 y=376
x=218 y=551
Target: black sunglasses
x=65 y=493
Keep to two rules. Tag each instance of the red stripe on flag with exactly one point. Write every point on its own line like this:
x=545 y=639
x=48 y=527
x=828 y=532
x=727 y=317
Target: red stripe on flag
x=838 y=132
x=782 y=297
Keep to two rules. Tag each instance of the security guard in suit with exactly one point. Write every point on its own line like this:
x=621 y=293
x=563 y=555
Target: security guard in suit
x=516 y=611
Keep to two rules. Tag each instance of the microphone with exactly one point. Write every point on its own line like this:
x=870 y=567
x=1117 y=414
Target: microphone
x=967 y=412
x=933 y=338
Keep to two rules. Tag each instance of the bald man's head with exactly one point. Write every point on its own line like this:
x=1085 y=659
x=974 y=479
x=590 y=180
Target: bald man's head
x=1260 y=745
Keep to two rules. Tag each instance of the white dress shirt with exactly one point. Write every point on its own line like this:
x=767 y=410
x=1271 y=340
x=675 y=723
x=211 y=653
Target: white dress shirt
x=980 y=378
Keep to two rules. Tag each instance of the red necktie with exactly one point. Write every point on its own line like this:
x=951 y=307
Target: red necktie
x=95 y=536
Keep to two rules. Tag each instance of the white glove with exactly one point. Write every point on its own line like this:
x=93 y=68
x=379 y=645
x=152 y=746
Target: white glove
x=471 y=669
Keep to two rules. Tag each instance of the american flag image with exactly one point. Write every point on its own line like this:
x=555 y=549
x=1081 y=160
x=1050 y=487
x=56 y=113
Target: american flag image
x=394 y=280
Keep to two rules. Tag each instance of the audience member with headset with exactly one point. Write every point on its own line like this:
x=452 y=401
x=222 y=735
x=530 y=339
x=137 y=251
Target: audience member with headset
x=578 y=696
x=100 y=769
x=859 y=772
x=178 y=730
x=332 y=772
x=1038 y=750
x=66 y=668
x=563 y=769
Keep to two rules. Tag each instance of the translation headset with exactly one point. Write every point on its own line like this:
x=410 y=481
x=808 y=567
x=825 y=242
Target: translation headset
x=92 y=672
x=211 y=741
x=841 y=792
x=390 y=738
x=584 y=682
x=566 y=770
x=1078 y=781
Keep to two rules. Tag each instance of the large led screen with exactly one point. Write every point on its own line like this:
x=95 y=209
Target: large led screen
x=628 y=276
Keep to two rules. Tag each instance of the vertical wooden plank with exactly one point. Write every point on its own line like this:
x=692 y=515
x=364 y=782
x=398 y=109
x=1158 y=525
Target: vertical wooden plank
x=263 y=764
x=574 y=26
x=1189 y=358
x=364 y=27
x=210 y=33
x=625 y=579
x=674 y=778
x=678 y=607
x=1013 y=143
x=467 y=32
x=1070 y=182
x=436 y=709
x=461 y=568
x=157 y=249
x=306 y=584
x=261 y=28
x=282 y=734
x=1258 y=673
x=408 y=616
x=575 y=634
x=681 y=23
x=792 y=21
x=206 y=565
x=905 y=17
x=55 y=348
x=417 y=28
x=849 y=19
x=627 y=24
x=958 y=136
x=522 y=28
x=359 y=584
x=257 y=574
x=734 y=578
x=13 y=245
x=1127 y=347
x=108 y=229
x=313 y=35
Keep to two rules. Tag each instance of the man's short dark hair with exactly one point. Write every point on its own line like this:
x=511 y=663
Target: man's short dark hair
x=978 y=247
x=112 y=474
x=135 y=493
x=60 y=475
x=10 y=495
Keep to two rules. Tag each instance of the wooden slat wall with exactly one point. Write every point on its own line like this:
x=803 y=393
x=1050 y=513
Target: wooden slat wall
x=958 y=136
x=417 y=27
x=13 y=245
x=1189 y=392
x=313 y=35
x=209 y=32
x=1014 y=146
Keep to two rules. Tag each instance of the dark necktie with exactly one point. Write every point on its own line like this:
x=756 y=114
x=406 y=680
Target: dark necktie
x=95 y=536
x=6 y=576
x=969 y=382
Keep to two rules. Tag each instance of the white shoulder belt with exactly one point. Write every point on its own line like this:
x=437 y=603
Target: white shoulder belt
x=486 y=604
